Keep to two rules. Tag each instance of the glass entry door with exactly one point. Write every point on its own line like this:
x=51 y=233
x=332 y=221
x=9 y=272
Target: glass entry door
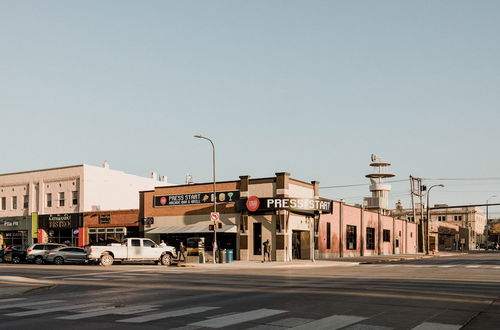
x=257 y=239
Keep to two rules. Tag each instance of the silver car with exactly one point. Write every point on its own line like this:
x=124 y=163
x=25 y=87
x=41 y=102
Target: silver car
x=36 y=253
x=63 y=255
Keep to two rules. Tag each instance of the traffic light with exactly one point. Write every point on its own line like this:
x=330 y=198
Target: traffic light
x=218 y=224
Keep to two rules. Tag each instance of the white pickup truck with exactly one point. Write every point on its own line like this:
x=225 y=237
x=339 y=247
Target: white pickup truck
x=132 y=249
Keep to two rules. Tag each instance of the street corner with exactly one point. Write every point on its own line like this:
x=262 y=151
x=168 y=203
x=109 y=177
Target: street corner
x=16 y=285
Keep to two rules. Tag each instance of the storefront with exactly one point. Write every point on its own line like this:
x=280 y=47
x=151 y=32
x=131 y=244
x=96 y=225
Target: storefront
x=280 y=209
x=15 y=231
x=104 y=227
x=60 y=228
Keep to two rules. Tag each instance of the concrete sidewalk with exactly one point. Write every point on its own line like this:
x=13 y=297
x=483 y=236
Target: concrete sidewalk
x=339 y=262
x=16 y=285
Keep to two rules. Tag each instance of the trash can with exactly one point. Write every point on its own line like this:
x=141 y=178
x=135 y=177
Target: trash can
x=222 y=256
x=229 y=255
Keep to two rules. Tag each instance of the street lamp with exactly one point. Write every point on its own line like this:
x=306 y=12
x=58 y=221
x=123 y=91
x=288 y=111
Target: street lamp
x=429 y=216
x=215 y=196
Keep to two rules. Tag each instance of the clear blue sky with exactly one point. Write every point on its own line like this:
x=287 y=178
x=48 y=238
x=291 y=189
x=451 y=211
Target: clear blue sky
x=308 y=87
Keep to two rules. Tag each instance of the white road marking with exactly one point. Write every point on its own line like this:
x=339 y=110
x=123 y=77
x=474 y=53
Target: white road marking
x=446 y=266
x=81 y=279
x=55 y=309
x=497 y=267
x=437 y=326
x=331 y=323
x=11 y=299
x=126 y=310
x=224 y=321
x=472 y=266
x=26 y=304
x=159 y=316
x=100 y=273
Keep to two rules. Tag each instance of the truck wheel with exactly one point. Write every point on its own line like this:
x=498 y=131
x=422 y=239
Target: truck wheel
x=58 y=260
x=166 y=259
x=39 y=260
x=106 y=260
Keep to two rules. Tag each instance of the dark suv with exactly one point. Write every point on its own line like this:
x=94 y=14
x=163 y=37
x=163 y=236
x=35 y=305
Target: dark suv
x=37 y=252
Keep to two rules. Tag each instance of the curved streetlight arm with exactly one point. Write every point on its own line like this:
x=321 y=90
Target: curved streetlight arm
x=429 y=216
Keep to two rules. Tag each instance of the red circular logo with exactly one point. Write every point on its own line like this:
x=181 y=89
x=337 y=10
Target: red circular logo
x=253 y=203
x=163 y=200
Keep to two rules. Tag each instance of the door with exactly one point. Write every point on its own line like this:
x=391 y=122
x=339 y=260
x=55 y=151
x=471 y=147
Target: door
x=134 y=250
x=257 y=238
x=296 y=248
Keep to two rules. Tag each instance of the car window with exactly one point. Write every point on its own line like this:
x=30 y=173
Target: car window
x=38 y=247
x=148 y=243
x=135 y=242
x=52 y=246
x=66 y=249
x=78 y=250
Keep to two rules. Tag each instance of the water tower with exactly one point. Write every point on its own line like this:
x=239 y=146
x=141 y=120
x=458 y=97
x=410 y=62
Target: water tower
x=379 y=190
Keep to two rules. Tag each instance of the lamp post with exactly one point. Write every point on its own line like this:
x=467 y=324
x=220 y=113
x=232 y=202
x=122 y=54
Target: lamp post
x=429 y=217
x=215 y=195
x=487 y=215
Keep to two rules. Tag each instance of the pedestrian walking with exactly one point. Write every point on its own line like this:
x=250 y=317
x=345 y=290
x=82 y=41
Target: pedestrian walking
x=182 y=250
x=267 y=250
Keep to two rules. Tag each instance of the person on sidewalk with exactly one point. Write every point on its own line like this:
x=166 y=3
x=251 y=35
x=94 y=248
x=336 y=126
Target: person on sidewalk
x=267 y=250
x=162 y=244
x=182 y=254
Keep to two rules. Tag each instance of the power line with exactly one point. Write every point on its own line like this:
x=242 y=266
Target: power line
x=360 y=184
x=405 y=180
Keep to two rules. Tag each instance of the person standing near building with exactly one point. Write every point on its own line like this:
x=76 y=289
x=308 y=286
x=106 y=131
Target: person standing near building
x=162 y=244
x=182 y=250
x=267 y=250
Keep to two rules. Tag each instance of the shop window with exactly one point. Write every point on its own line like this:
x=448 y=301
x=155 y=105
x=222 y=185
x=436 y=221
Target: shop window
x=75 y=197
x=457 y=218
x=351 y=238
x=387 y=235
x=370 y=238
x=328 y=236
x=26 y=201
x=61 y=199
x=48 y=199
x=4 y=203
x=14 y=202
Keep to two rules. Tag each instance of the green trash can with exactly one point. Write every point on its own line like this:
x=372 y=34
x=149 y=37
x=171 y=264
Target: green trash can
x=229 y=255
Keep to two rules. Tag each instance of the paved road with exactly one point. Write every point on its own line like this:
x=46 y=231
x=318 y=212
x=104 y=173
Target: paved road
x=439 y=293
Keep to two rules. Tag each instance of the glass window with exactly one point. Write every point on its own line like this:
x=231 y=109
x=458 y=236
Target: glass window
x=458 y=218
x=370 y=238
x=4 y=203
x=74 y=196
x=387 y=235
x=39 y=247
x=148 y=243
x=351 y=238
x=26 y=201
x=48 y=198
x=135 y=242
x=328 y=234
x=14 y=202
x=61 y=199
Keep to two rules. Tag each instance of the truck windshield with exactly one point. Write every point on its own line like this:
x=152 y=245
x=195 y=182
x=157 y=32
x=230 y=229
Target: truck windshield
x=148 y=243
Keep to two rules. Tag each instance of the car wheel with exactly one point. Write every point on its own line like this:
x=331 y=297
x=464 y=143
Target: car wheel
x=166 y=259
x=106 y=260
x=39 y=260
x=16 y=260
x=58 y=260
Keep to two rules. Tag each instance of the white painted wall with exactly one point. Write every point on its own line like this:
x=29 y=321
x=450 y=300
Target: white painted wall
x=110 y=189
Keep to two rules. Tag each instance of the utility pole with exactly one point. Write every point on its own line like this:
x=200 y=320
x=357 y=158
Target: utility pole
x=417 y=189
x=412 y=188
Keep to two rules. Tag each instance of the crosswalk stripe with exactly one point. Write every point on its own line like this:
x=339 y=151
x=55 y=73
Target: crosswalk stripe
x=446 y=266
x=331 y=323
x=55 y=309
x=159 y=316
x=82 y=279
x=128 y=310
x=33 y=303
x=437 y=326
x=224 y=321
x=472 y=266
x=497 y=267
x=11 y=299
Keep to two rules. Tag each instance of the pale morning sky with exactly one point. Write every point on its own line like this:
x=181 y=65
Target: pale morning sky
x=308 y=87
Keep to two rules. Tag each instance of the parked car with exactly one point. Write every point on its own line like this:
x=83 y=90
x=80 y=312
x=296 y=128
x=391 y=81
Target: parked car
x=492 y=246
x=2 y=252
x=63 y=255
x=132 y=249
x=36 y=252
x=15 y=254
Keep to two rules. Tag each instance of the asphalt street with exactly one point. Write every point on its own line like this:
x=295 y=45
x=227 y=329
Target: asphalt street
x=460 y=292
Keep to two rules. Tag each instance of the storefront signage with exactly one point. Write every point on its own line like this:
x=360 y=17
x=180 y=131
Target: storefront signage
x=104 y=219
x=196 y=198
x=71 y=220
x=9 y=223
x=254 y=204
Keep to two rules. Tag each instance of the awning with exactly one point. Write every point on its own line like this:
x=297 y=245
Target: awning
x=191 y=229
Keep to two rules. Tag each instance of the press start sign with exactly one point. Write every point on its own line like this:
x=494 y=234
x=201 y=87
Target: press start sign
x=323 y=205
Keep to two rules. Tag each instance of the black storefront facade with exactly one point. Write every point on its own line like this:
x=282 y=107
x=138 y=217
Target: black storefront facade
x=15 y=231
x=60 y=228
